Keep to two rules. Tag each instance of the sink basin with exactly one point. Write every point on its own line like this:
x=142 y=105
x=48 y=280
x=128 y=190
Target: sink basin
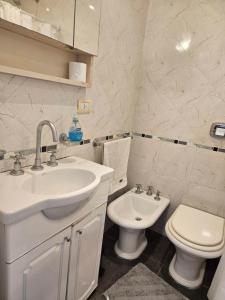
x=58 y=181
x=55 y=192
x=66 y=188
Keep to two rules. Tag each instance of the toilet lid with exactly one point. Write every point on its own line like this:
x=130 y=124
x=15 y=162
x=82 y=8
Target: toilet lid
x=197 y=226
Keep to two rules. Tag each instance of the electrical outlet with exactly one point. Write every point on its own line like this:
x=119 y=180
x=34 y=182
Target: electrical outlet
x=84 y=106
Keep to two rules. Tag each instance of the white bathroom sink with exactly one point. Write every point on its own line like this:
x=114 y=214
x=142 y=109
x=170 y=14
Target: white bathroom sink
x=58 y=182
x=54 y=191
x=70 y=185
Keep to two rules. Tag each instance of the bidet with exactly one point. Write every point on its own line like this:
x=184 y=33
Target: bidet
x=134 y=213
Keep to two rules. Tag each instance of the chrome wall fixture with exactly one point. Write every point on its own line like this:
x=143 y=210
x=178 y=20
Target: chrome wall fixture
x=100 y=141
x=217 y=130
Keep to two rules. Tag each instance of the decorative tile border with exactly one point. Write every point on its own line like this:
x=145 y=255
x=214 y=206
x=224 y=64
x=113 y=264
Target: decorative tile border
x=99 y=140
x=49 y=148
x=180 y=142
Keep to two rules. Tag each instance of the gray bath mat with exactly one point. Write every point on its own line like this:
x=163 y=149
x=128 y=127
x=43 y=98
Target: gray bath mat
x=142 y=284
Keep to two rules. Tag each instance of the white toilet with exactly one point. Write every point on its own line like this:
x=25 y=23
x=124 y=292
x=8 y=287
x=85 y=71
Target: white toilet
x=134 y=213
x=197 y=236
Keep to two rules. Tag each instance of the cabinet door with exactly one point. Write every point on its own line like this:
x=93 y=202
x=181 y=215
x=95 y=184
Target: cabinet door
x=42 y=273
x=87 y=23
x=53 y=18
x=85 y=255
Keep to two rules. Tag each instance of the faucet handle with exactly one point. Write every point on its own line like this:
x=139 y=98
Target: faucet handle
x=18 y=156
x=150 y=190
x=17 y=170
x=157 y=196
x=52 y=160
x=139 y=189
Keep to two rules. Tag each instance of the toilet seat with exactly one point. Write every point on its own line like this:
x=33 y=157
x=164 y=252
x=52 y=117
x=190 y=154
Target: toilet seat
x=198 y=227
x=205 y=232
x=197 y=236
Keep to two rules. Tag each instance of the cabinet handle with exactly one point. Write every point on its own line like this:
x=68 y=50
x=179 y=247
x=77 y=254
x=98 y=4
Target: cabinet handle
x=79 y=231
x=66 y=239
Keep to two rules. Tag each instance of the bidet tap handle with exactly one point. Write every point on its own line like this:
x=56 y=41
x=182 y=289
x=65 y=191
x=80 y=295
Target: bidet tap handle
x=157 y=195
x=150 y=190
x=139 y=189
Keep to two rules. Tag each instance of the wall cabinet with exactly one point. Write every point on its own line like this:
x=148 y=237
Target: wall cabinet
x=87 y=25
x=65 y=267
x=36 y=34
x=52 y=18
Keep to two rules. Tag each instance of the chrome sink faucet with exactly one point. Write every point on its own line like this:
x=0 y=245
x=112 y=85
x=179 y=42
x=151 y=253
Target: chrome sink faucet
x=37 y=163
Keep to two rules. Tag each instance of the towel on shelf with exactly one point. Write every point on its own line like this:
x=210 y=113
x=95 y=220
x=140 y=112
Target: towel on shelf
x=116 y=155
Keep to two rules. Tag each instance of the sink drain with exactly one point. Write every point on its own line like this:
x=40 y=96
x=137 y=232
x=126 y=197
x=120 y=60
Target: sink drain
x=138 y=219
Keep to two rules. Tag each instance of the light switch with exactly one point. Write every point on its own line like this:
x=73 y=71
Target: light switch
x=84 y=106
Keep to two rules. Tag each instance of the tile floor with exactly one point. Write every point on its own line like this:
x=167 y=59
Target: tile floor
x=156 y=257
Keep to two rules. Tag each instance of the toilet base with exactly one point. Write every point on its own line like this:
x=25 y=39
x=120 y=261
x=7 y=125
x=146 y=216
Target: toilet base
x=191 y=284
x=131 y=243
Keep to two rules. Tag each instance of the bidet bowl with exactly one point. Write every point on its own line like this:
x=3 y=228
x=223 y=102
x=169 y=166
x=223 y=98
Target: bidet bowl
x=136 y=211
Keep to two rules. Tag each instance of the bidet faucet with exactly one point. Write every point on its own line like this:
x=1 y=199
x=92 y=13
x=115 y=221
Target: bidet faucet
x=138 y=189
x=157 y=196
x=37 y=163
x=150 y=190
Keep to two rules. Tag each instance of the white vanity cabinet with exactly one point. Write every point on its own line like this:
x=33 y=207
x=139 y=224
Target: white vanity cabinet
x=65 y=267
x=86 y=244
x=41 y=273
x=49 y=256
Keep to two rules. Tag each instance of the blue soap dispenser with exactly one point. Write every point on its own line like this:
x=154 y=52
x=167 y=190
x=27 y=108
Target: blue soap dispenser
x=75 y=132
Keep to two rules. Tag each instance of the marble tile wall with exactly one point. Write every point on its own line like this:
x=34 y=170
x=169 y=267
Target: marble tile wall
x=24 y=101
x=166 y=62
x=181 y=94
x=182 y=90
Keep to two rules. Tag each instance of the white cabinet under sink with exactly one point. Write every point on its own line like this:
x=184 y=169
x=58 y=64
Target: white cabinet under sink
x=85 y=252
x=50 y=249
x=41 y=273
x=65 y=267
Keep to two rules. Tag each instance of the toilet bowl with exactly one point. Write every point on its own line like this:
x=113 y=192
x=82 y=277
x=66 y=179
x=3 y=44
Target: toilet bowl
x=197 y=236
x=134 y=213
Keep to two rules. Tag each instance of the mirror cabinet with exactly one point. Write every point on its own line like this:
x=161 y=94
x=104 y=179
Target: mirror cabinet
x=57 y=30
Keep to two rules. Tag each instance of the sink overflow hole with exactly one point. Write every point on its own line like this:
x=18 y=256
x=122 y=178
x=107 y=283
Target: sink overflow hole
x=138 y=219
